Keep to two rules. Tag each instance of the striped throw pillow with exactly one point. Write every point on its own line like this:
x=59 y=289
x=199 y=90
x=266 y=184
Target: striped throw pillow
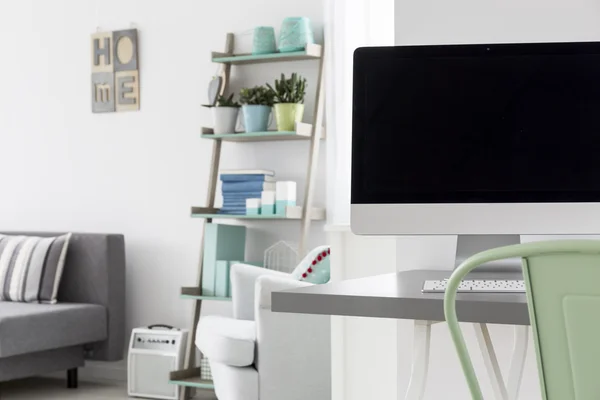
x=31 y=267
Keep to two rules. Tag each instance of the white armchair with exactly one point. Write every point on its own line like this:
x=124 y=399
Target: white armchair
x=262 y=355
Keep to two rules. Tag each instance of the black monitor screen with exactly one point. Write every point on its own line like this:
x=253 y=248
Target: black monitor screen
x=477 y=123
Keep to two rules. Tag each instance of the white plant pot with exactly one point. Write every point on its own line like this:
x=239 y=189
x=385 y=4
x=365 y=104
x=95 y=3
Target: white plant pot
x=224 y=119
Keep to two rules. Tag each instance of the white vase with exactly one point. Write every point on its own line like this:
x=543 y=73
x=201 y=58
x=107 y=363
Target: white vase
x=224 y=119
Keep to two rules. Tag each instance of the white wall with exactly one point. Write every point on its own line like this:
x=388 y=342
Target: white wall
x=134 y=173
x=364 y=350
x=496 y=21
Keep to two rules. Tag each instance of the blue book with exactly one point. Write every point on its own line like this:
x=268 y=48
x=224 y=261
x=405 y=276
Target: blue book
x=247 y=186
x=227 y=204
x=232 y=212
x=246 y=178
x=233 y=208
x=242 y=195
x=236 y=200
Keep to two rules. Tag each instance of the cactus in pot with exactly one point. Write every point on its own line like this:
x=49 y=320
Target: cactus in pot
x=289 y=101
x=256 y=107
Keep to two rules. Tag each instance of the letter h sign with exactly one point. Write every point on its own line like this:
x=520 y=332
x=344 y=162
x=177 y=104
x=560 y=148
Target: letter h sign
x=115 y=74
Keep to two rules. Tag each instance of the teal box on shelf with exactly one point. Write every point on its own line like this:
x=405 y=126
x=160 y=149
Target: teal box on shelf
x=267 y=202
x=281 y=205
x=221 y=242
x=252 y=206
x=222 y=269
x=267 y=209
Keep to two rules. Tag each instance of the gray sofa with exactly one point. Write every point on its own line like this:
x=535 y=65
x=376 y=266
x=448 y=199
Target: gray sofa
x=86 y=323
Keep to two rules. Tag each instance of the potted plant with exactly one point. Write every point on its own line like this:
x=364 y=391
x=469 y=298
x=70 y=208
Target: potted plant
x=257 y=103
x=289 y=101
x=225 y=114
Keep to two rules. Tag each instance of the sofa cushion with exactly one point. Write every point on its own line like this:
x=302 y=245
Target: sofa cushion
x=226 y=340
x=27 y=328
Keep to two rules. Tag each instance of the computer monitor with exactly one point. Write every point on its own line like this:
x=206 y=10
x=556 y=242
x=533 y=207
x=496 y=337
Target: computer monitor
x=476 y=139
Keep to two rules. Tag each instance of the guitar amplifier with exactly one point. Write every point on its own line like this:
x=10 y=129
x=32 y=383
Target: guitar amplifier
x=154 y=352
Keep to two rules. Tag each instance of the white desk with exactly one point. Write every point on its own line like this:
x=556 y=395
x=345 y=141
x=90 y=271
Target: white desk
x=399 y=296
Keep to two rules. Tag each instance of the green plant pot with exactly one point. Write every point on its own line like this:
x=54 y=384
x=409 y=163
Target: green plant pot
x=287 y=114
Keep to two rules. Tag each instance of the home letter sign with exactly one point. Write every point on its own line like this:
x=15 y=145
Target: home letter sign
x=115 y=75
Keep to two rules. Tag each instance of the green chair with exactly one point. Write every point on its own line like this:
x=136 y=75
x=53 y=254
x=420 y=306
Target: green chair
x=562 y=280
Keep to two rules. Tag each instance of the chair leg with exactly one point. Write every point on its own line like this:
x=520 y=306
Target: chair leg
x=72 y=378
x=420 y=361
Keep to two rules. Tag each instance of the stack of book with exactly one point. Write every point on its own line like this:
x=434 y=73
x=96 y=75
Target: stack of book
x=240 y=185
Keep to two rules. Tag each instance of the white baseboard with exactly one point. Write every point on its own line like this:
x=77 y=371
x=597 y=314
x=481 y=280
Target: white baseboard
x=99 y=371
x=95 y=370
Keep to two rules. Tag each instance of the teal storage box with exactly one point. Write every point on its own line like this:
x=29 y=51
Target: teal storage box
x=267 y=209
x=222 y=280
x=285 y=196
x=252 y=206
x=221 y=242
x=282 y=205
x=208 y=279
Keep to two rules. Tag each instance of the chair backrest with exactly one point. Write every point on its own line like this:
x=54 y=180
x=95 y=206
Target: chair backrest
x=563 y=294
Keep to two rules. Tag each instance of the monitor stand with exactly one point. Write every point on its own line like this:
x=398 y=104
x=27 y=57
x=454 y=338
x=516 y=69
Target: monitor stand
x=468 y=245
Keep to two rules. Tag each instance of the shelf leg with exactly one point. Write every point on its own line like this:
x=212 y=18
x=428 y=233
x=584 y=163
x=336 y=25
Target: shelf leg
x=313 y=160
x=190 y=356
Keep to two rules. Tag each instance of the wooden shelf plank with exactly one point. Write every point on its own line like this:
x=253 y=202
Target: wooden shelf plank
x=256 y=136
x=312 y=52
x=195 y=382
x=207 y=298
x=229 y=216
x=303 y=132
x=293 y=213
x=191 y=378
x=195 y=293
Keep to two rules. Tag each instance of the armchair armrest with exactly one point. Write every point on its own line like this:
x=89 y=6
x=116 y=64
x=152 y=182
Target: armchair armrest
x=243 y=281
x=265 y=285
x=293 y=350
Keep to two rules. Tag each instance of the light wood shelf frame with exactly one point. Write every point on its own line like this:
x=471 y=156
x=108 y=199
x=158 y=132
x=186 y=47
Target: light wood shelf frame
x=312 y=52
x=189 y=377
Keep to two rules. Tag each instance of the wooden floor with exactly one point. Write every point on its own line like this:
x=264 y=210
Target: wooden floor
x=54 y=389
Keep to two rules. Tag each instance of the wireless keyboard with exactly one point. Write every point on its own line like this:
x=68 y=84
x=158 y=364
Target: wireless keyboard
x=478 y=286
